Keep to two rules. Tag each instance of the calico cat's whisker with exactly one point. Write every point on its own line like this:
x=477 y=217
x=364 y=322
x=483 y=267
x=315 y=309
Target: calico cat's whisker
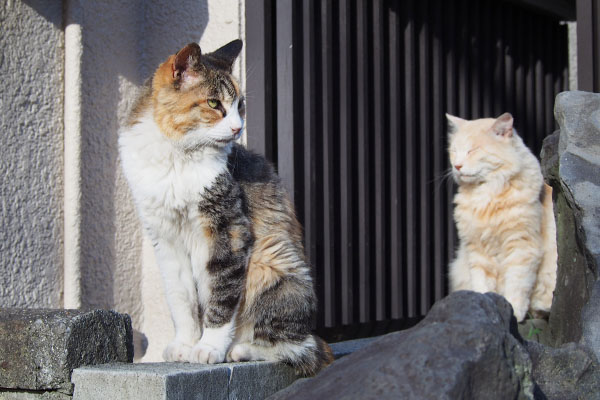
x=250 y=71
x=249 y=95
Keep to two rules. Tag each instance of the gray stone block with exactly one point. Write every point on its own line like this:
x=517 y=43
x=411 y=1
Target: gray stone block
x=153 y=381
x=40 y=348
x=467 y=347
x=258 y=380
x=150 y=381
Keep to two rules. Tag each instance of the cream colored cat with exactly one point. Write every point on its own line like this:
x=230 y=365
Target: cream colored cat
x=503 y=213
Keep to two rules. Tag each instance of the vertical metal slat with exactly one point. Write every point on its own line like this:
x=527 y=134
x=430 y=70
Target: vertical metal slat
x=346 y=177
x=424 y=151
x=326 y=133
x=439 y=149
x=309 y=124
x=379 y=104
x=395 y=154
x=285 y=93
x=364 y=225
x=409 y=152
x=259 y=63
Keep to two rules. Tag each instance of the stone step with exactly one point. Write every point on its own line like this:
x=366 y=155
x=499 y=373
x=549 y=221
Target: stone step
x=166 y=381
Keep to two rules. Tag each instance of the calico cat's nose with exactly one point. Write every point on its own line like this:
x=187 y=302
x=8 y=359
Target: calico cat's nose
x=458 y=166
x=235 y=131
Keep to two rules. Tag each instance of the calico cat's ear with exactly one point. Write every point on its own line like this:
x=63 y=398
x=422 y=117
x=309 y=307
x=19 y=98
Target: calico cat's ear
x=503 y=126
x=454 y=123
x=186 y=64
x=228 y=53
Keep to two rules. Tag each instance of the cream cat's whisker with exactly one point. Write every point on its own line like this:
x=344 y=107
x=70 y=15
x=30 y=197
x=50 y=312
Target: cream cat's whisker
x=441 y=179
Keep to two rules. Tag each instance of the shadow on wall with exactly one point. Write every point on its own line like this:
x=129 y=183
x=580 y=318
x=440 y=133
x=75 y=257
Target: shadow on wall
x=122 y=42
x=41 y=7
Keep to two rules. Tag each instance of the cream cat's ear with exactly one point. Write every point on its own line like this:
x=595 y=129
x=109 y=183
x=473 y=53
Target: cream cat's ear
x=454 y=123
x=503 y=126
x=186 y=64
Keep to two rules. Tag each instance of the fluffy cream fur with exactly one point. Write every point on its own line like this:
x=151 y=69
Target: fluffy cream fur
x=503 y=213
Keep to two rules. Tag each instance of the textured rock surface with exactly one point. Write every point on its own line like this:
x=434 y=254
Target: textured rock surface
x=40 y=348
x=571 y=163
x=565 y=373
x=466 y=348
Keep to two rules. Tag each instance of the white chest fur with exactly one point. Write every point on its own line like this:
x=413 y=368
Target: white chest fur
x=167 y=184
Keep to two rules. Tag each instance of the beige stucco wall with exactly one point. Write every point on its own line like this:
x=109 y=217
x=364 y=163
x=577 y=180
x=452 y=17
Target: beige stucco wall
x=31 y=144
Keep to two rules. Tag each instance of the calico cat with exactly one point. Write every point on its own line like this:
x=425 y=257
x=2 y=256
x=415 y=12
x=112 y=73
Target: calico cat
x=503 y=214
x=225 y=235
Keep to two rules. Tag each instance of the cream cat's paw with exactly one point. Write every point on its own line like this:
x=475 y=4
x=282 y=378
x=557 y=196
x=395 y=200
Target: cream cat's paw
x=177 y=351
x=206 y=354
x=520 y=306
x=520 y=312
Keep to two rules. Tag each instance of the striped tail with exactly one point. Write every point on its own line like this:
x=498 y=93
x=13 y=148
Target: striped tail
x=316 y=355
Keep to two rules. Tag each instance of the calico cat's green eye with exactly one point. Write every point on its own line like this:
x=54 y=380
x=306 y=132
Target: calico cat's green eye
x=212 y=103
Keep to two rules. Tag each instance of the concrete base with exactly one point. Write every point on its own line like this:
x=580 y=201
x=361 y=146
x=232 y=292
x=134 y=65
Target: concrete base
x=33 y=395
x=249 y=380
x=165 y=381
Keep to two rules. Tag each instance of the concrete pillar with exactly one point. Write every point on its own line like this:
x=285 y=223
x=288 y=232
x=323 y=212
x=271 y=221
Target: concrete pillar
x=31 y=153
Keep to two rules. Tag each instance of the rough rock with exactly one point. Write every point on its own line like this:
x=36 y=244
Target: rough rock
x=467 y=347
x=570 y=372
x=40 y=348
x=571 y=164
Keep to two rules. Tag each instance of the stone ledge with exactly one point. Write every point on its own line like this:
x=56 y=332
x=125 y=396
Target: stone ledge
x=149 y=381
x=181 y=381
x=33 y=395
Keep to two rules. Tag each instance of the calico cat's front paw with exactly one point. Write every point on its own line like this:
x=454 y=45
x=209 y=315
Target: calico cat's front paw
x=177 y=352
x=206 y=354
